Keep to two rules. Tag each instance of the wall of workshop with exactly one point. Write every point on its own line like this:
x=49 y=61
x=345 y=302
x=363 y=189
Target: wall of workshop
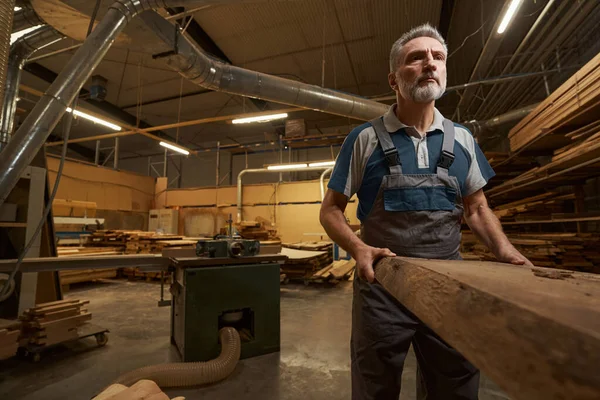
x=200 y=170
x=292 y=207
x=123 y=198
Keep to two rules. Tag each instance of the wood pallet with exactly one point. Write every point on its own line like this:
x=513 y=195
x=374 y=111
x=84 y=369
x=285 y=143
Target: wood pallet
x=55 y=322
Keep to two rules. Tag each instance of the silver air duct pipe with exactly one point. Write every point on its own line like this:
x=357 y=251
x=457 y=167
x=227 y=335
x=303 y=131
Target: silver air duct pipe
x=195 y=65
x=477 y=127
x=40 y=122
x=20 y=51
x=7 y=10
x=25 y=18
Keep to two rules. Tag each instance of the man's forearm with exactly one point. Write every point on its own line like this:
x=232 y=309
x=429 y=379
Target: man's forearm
x=487 y=228
x=336 y=226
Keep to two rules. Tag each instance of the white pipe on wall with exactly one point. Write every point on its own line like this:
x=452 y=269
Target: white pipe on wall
x=260 y=170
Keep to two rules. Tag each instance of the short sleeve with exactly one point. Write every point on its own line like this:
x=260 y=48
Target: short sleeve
x=480 y=171
x=347 y=174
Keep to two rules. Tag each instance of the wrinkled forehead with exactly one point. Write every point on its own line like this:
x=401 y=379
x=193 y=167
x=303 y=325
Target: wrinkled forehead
x=423 y=43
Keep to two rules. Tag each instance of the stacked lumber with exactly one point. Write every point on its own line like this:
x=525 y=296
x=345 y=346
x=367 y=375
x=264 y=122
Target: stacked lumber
x=575 y=103
x=137 y=242
x=544 y=206
x=311 y=246
x=68 y=277
x=10 y=331
x=261 y=229
x=336 y=271
x=303 y=264
x=155 y=245
x=574 y=162
x=573 y=251
x=55 y=322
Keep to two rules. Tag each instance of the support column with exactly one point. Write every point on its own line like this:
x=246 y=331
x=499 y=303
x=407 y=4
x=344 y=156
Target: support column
x=218 y=163
x=97 y=154
x=165 y=164
x=116 y=156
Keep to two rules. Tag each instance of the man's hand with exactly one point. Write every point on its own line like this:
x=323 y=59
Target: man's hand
x=509 y=254
x=365 y=257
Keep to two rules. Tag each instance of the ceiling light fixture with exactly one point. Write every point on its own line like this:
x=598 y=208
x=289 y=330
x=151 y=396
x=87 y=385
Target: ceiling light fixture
x=17 y=35
x=261 y=118
x=287 y=166
x=17 y=9
x=94 y=119
x=322 y=164
x=510 y=13
x=175 y=148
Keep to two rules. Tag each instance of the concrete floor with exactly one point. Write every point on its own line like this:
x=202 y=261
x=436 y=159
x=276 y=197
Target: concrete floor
x=314 y=361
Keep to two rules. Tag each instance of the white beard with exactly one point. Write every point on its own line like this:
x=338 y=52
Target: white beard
x=422 y=94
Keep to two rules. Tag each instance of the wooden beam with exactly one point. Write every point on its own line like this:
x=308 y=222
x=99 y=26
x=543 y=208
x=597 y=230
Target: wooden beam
x=536 y=337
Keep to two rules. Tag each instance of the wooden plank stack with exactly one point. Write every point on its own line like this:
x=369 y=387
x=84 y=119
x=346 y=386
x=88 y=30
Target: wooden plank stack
x=54 y=322
x=336 y=271
x=544 y=206
x=573 y=251
x=10 y=331
x=261 y=229
x=574 y=104
x=303 y=264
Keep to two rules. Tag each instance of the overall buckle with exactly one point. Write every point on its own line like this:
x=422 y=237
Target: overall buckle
x=446 y=159
x=391 y=155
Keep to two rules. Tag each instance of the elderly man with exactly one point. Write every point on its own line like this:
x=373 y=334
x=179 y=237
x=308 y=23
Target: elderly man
x=416 y=174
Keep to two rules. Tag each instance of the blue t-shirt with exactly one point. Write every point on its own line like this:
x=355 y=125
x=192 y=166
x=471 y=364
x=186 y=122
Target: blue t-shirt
x=361 y=165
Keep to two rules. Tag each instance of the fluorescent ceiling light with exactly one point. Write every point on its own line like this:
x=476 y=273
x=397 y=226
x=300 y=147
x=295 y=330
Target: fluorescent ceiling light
x=510 y=13
x=175 y=148
x=17 y=35
x=322 y=164
x=94 y=119
x=262 y=118
x=287 y=166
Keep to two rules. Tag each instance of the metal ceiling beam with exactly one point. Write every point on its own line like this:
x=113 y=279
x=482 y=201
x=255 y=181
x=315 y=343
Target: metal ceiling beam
x=486 y=57
x=446 y=17
x=168 y=98
x=110 y=109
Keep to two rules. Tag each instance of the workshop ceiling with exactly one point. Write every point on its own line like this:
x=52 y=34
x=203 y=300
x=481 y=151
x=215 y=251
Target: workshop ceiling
x=341 y=44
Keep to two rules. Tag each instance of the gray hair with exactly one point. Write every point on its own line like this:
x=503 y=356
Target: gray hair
x=424 y=30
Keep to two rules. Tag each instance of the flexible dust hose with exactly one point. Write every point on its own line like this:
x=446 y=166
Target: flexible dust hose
x=192 y=373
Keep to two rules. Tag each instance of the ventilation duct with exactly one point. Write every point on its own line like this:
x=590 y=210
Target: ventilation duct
x=25 y=18
x=20 y=51
x=195 y=65
x=7 y=10
x=34 y=131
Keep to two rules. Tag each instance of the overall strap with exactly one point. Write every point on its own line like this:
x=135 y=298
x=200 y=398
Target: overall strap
x=389 y=150
x=447 y=156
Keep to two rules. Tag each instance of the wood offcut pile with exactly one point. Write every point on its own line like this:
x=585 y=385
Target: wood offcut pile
x=572 y=251
x=54 y=322
x=313 y=262
x=10 y=331
x=137 y=242
x=261 y=229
